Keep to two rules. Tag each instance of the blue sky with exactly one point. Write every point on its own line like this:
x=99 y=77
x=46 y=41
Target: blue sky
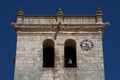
x=111 y=38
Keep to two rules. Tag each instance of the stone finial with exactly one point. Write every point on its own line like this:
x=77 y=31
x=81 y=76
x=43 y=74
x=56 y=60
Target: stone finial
x=99 y=12
x=60 y=12
x=99 y=15
x=20 y=12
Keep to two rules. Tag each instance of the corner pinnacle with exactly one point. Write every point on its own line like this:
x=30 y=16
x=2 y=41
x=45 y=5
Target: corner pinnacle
x=99 y=12
x=20 y=12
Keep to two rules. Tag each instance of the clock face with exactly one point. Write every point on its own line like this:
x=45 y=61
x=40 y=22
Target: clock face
x=86 y=45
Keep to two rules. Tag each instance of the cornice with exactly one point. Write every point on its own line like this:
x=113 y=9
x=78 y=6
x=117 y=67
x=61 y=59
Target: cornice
x=60 y=33
x=97 y=24
x=63 y=27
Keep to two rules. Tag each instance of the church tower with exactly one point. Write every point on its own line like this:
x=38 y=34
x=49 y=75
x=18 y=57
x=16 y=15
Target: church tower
x=59 y=47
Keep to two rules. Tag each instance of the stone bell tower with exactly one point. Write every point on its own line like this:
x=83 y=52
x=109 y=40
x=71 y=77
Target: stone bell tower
x=59 y=47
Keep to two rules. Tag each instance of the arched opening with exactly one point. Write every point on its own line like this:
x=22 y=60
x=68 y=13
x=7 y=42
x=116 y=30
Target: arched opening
x=70 y=53
x=48 y=53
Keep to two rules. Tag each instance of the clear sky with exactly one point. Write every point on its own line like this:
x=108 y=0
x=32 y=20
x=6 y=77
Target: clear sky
x=111 y=38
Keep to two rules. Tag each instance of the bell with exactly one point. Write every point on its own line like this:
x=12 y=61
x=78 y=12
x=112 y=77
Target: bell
x=70 y=61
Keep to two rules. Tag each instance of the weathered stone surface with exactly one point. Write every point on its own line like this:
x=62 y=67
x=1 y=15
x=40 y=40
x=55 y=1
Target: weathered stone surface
x=29 y=53
x=30 y=56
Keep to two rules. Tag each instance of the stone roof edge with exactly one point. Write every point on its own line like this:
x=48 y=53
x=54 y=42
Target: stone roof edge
x=97 y=24
x=97 y=27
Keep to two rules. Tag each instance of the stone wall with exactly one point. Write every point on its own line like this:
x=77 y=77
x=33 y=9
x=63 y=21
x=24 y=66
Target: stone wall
x=29 y=57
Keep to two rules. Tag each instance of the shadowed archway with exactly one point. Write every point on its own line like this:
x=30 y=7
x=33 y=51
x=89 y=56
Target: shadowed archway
x=70 y=53
x=48 y=53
